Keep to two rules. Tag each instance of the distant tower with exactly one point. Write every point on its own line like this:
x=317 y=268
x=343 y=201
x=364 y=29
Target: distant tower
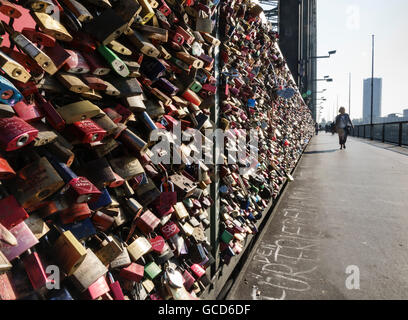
x=376 y=101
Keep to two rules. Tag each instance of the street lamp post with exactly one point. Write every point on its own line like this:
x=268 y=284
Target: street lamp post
x=372 y=89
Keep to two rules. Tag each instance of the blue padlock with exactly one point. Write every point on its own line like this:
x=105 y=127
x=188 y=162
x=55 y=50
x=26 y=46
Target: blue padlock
x=81 y=229
x=103 y=201
x=9 y=94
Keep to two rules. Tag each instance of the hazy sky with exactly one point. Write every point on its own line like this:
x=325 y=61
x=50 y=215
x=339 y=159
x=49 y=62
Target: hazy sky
x=347 y=26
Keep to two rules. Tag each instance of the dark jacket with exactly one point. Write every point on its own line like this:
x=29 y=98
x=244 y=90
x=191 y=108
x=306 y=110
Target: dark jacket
x=346 y=119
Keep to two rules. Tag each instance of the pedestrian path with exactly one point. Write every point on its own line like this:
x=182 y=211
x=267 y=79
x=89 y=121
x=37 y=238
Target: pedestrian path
x=340 y=230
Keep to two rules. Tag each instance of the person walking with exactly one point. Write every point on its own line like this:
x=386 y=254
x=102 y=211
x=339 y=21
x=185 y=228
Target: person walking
x=317 y=128
x=343 y=124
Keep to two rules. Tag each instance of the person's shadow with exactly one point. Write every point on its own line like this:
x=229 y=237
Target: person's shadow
x=322 y=151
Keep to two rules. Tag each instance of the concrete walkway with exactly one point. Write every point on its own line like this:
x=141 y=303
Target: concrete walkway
x=340 y=230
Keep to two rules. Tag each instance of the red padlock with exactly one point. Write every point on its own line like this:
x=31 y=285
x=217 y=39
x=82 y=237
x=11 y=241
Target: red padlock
x=15 y=133
x=102 y=221
x=76 y=63
x=87 y=131
x=6 y=171
x=166 y=200
x=35 y=270
x=198 y=270
x=158 y=243
x=169 y=230
x=97 y=289
x=28 y=112
x=82 y=190
x=133 y=272
x=76 y=212
x=115 y=288
x=147 y=222
x=12 y=213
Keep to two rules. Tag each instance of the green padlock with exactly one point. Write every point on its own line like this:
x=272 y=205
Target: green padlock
x=195 y=86
x=226 y=237
x=115 y=62
x=152 y=270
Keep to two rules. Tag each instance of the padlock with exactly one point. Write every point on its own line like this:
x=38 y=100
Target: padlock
x=45 y=135
x=169 y=230
x=35 y=182
x=43 y=60
x=102 y=221
x=122 y=260
x=69 y=252
x=133 y=272
x=147 y=222
x=180 y=211
x=104 y=200
x=86 y=131
x=127 y=167
x=80 y=12
x=184 y=186
x=152 y=270
x=78 y=111
x=72 y=82
x=138 y=248
x=76 y=63
x=111 y=250
x=143 y=44
x=61 y=152
x=9 y=94
x=6 y=171
x=97 y=289
x=13 y=69
x=13 y=213
x=94 y=82
x=147 y=193
x=96 y=64
x=167 y=200
x=37 y=225
x=51 y=26
x=7 y=291
x=5 y=265
x=115 y=288
x=119 y=48
x=35 y=270
x=103 y=32
x=89 y=271
x=114 y=61
x=25 y=240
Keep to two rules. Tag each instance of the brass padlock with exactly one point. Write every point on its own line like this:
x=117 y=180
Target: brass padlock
x=127 y=167
x=51 y=26
x=69 y=252
x=13 y=69
x=45 y=135
x=138 y=248
x=78 y=111
x=35 y=182
x=180 y=211
x=72 y=82
x=111 y=249
x=90 y=270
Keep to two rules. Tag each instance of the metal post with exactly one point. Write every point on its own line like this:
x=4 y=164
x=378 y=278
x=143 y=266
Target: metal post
x=350 y=94
x=400 y=134
x=383 y=133
x=372 y=88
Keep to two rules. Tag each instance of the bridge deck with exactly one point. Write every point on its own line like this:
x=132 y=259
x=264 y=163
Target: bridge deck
x=345 y=209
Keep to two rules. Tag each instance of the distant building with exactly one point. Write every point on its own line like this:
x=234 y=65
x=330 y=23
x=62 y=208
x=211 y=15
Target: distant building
x=405 y=113
x=377 y=97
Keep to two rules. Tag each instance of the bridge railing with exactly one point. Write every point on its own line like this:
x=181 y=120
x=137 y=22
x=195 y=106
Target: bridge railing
x=392 y=132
